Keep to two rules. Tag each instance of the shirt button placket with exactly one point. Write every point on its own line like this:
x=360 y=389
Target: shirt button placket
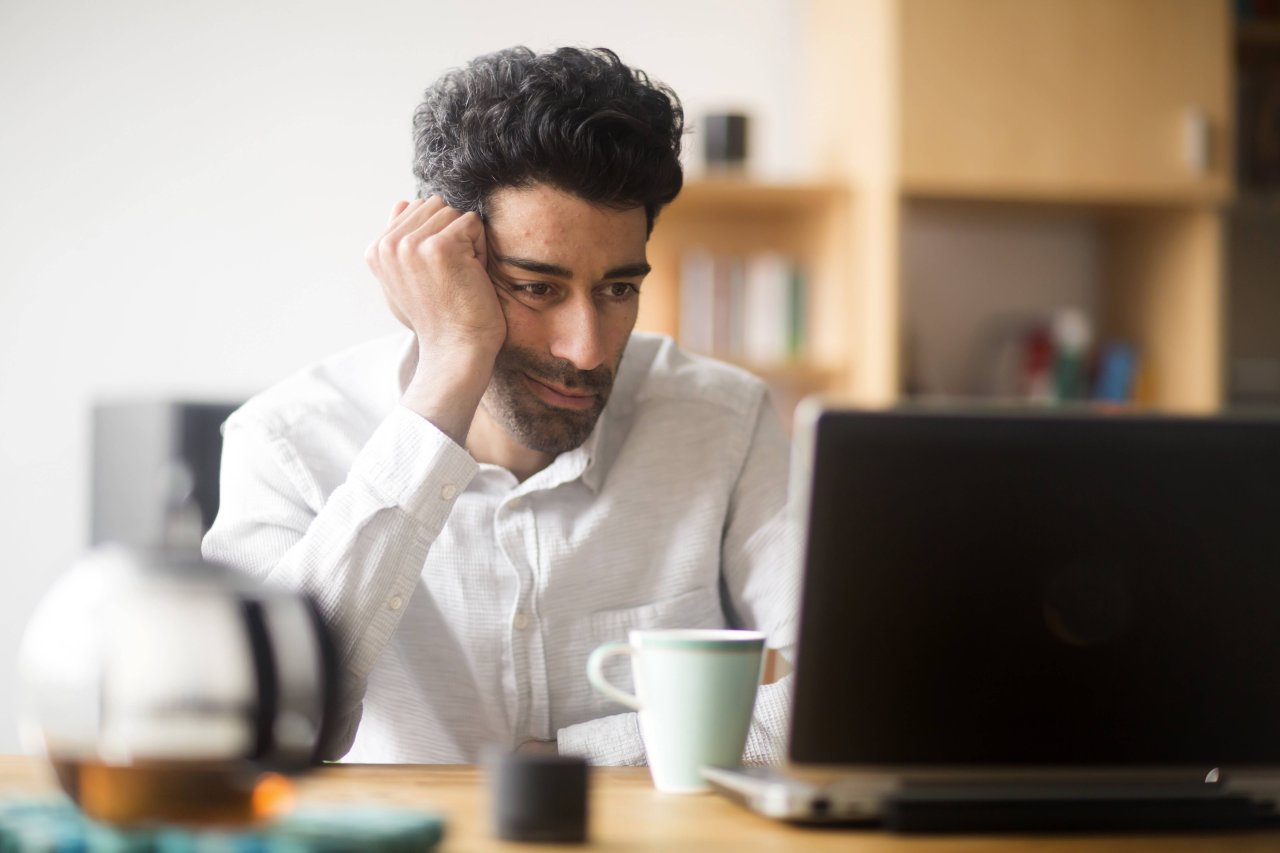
x=514 y=534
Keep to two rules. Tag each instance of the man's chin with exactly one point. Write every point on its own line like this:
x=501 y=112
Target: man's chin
x=557 y=433
x=545 y=428
x=528 y=411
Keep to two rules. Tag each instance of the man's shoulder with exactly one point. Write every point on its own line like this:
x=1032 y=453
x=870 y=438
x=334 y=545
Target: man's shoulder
x=357 y=384
x=671 y=375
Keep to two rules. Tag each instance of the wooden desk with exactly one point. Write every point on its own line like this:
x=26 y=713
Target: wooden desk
x=627 y=814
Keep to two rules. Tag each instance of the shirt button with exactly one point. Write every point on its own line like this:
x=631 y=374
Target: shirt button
x=448 y=491
x=515 y=503
x=395 y=602
x=521 y=622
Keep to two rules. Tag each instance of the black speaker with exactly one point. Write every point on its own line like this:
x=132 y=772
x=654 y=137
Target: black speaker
x=155 y=471
x=724 y=142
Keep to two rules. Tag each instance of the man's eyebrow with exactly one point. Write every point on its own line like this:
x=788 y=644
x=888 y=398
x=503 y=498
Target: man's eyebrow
x=635 y=270
x=539 y=267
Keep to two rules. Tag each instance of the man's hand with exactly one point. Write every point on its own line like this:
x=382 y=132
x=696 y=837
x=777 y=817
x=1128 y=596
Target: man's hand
x=432 y=264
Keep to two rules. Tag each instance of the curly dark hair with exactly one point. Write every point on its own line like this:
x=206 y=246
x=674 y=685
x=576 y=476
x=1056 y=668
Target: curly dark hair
x=578 y=120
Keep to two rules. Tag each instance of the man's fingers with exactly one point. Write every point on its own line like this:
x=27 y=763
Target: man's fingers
x=470 y=227
x=396 y=211
x=417 y=212
x=434 y=224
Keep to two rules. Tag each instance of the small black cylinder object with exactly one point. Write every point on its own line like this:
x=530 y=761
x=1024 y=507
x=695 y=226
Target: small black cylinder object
x=724 y=141
x=539 y=797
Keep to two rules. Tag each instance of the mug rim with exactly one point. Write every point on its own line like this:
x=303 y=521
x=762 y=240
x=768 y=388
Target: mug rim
x=701 y=639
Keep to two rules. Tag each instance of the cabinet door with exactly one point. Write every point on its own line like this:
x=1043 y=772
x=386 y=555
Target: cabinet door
x=1105 y=99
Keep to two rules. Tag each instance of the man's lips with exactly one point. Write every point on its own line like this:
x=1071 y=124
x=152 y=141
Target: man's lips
x=563 y=399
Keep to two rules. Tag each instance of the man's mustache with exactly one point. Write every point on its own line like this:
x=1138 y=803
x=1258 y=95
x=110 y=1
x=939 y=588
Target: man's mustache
x=558 y=371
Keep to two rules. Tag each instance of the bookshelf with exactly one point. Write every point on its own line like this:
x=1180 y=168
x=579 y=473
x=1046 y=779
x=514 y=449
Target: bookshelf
x=1253 y=219
x=740 y=219
x=1105 y=120
x=1101 y=129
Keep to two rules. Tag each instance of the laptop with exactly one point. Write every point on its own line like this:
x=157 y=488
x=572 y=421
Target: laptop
x=1032 y=619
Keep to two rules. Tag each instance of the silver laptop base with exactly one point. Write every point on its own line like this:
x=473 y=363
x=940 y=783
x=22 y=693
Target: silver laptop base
x=966 y=807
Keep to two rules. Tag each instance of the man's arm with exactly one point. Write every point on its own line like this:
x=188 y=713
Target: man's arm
x=432 y=263
x=359 y=551
x=760 y=569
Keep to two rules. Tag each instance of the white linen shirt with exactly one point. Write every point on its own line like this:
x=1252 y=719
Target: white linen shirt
x=465 y=603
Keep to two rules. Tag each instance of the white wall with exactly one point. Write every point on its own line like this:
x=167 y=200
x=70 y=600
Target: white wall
x=186 y=191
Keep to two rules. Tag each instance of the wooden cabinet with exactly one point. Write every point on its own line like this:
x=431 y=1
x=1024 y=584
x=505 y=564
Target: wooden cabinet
x=1253 y=251
x=1111 y=113
x=1111 y=116
x=806 y=223
x=1096 y=99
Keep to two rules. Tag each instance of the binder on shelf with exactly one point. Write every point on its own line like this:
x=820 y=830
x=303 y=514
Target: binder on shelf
x=749 y=308
x=696 y=320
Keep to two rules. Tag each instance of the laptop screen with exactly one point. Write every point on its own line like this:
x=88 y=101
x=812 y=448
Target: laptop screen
x=1040 y=590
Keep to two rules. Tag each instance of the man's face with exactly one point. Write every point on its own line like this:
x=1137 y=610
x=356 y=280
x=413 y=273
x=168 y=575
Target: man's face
x=572 y=271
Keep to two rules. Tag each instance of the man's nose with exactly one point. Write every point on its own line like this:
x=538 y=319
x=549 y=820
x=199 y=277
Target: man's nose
x=576 y=336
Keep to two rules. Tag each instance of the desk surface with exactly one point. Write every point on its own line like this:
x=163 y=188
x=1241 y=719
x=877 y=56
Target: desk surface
x=627 y=814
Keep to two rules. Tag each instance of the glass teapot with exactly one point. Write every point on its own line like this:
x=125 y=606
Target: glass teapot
x=166 y=688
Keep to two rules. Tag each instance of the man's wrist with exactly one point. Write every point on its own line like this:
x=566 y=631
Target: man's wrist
x=447 y=392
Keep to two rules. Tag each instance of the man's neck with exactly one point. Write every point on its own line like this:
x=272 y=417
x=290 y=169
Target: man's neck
x=489 y=443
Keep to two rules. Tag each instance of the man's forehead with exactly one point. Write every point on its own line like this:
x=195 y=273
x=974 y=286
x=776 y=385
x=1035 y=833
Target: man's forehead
x=547 y=207
x=545 y=226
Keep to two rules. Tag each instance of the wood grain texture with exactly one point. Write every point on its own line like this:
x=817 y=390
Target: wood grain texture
x=805 y=221
x=1063 y=98
x=627 y=814
x=1163 y=290
x=1033 y=103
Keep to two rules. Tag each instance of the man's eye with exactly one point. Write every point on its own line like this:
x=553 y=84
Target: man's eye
x=537 y=288
x=622 y=290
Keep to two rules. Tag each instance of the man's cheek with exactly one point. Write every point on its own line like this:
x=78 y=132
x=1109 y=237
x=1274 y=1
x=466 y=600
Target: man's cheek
x=524 y=335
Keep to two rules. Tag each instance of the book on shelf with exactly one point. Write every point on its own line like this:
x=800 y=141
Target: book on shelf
x=744 y=307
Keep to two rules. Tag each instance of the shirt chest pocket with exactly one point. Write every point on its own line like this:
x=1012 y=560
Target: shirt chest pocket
x=698 y=608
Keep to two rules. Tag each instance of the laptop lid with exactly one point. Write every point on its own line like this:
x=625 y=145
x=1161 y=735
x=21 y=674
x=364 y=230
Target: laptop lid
x=1037 y=590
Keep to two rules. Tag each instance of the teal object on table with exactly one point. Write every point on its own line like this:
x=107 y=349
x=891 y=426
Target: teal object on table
x=56 y=826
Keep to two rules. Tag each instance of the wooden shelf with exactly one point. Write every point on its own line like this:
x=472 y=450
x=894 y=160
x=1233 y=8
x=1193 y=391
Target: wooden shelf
x=806 y=223
x=1011 y=114
x=1258 y=34
x=1257 y=203
x=741 y=197
x=1071 y=194
x=795 y=374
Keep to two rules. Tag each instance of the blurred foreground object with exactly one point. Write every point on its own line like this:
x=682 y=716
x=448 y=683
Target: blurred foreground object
x=539 y=797
x=44 y=825
x=165 y=688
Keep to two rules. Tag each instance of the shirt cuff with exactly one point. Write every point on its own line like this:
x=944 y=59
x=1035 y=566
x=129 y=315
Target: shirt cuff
x=607 y=741
x=408 y=462
x=770 y=724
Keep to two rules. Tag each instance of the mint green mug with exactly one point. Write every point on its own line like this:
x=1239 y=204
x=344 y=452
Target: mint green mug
x=695 y=693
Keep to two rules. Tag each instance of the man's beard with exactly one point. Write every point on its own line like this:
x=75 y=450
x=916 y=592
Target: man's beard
x=533 y=423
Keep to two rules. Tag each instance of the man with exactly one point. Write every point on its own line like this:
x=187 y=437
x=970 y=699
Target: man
x=477 y=505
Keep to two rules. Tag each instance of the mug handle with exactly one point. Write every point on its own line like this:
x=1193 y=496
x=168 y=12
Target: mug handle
x=595 y=673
